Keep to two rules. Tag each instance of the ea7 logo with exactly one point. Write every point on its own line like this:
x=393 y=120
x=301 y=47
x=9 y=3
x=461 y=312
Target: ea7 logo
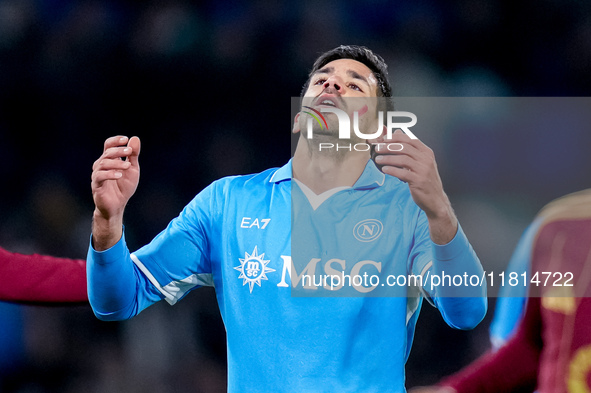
x=368 y=230
x=248 y=222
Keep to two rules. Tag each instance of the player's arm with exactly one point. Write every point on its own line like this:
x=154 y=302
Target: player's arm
x=462 y=307
x=41 y=279
x=114 y=284
x=513 y=368
x=415 y=164
x=175 y=262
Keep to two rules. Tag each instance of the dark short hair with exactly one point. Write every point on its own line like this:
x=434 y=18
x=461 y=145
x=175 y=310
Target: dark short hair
x=373 y=61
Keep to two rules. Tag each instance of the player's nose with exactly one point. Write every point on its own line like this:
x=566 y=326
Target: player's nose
x=333 y=81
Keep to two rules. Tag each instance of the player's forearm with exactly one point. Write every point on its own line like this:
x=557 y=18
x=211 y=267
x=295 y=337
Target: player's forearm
x=513 y=368
x=463 y=305
x=41 y=279
x=443 y=224
x=509 y=372
x=112 y=282
x=106 y=232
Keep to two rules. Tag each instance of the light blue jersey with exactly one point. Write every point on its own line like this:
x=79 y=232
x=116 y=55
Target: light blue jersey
x=263 y=245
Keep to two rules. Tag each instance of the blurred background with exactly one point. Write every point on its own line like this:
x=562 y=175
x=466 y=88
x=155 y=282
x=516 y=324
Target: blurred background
x=73 y=73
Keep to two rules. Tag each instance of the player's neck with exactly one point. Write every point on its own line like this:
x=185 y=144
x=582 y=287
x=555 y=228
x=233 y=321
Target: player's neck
x=322 y=172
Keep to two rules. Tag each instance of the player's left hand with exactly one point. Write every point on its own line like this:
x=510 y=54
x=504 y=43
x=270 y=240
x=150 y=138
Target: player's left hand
x=413 y=162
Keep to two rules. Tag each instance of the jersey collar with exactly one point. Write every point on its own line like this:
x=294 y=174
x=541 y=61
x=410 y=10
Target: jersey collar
x=370 y=178
x=281 y=174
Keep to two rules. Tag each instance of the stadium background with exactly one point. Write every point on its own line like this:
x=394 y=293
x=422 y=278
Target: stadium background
x=73 y=73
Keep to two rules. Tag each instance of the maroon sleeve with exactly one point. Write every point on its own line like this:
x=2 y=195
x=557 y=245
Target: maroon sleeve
x=512 y=368
x=41 y=279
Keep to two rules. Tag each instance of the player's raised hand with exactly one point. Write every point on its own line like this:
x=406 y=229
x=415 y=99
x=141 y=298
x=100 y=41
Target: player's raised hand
x=413 y=162
x=115 y=177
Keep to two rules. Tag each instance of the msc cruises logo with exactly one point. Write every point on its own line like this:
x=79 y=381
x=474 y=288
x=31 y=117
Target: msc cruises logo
x=253 y=268
x=368 y=230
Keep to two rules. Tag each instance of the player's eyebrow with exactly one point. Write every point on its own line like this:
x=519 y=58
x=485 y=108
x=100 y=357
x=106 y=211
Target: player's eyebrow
x=351 y=73
x=356 y=75
x=325 y=70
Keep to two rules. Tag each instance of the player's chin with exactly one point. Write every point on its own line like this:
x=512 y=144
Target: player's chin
x=326 y=136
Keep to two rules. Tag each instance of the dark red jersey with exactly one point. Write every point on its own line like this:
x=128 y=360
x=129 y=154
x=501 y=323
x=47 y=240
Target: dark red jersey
x=551 y=350
x=41 y=279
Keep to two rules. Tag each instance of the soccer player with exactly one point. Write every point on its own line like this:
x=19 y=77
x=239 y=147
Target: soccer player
x=41 y=279
x=551 y=349
x=257 y=238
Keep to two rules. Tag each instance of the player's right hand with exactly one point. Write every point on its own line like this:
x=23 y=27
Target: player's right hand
x=115 y=176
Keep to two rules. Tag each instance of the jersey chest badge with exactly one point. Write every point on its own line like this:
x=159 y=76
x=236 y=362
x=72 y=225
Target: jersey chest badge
x=368 y=230
x=253 y=268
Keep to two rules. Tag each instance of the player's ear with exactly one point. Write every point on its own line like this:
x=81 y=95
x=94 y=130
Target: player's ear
x=296 y=124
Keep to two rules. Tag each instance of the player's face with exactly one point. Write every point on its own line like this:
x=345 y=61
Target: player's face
x=345 y=84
